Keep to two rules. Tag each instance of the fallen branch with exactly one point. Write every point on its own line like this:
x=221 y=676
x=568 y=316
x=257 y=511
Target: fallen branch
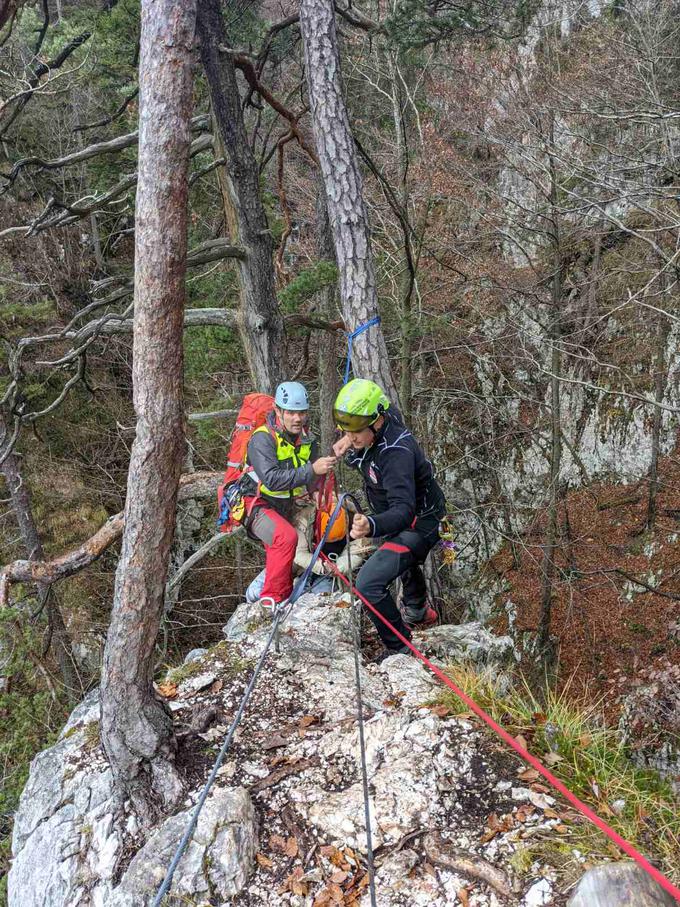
x=620 y=502
x=200 y=485
x=440 y=853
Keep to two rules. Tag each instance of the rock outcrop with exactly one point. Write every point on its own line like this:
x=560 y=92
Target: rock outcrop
x=284 y=823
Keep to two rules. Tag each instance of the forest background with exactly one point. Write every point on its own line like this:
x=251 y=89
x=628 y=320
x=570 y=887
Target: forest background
x=520 y=166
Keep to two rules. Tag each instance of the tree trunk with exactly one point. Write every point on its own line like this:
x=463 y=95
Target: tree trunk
x=262 y=329
x=401 y=122
x=344 y=191
x=136 y=728
x=548 y=570
x=21 y=505
x=660 y=379
x=327 y=346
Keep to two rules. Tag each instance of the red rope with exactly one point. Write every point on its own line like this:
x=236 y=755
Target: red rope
x=525 y=754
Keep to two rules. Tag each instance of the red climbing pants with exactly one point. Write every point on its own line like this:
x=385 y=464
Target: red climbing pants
x=280 y=540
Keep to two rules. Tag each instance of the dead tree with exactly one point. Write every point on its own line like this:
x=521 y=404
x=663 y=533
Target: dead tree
x=262 y=330
x=344 y=191
x=59 y=639
x=136 y=729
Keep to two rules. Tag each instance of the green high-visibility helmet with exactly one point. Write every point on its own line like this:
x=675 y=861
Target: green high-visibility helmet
x=359 y=404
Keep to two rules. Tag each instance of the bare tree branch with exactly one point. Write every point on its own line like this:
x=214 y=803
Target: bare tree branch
x=106 y=120
x=196 y=485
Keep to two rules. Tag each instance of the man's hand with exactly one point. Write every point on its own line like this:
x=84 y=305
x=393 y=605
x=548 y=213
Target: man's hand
x=323 y=465
x=361 y=526
x=341 y=446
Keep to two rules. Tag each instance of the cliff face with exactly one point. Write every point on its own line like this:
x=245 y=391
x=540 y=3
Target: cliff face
x=285 y=820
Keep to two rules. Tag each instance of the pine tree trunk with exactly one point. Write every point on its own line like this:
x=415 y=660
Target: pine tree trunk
x=327 y=344
x=136 y=728
x=344 y=191
x=262 y=331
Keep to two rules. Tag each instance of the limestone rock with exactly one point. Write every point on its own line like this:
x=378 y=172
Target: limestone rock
x=217 y=861
x=650 y=724
x=467 y=642
x=297 y=750
x=619 y=885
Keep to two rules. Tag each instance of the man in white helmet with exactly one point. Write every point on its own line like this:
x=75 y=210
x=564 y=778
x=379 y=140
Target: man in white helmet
x=282 y=468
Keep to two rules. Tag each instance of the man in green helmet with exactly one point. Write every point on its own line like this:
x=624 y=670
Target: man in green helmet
x=406 y=502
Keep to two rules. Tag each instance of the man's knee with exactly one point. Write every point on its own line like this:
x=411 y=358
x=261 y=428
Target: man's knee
x=375 y=575
x=285 y=536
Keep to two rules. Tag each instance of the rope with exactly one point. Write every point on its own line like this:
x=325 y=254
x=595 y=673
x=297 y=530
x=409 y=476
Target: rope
x=585 y=810
x=356 y=634
x=350 y=337
x=281 y=611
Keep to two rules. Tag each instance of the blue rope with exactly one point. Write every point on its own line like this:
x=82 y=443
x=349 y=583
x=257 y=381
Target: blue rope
x=350 y=338
x=280 y=615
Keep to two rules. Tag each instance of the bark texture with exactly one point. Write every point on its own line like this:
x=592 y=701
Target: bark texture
x=136 y=729
x=327 y=342
x=262 y=329
x=344 y=191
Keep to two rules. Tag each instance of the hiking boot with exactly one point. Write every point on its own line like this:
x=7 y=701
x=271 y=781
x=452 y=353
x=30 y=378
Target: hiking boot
x=384 y=653
x=420 y=619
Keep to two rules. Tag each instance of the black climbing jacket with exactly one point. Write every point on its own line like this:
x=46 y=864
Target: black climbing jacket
x=399 y=479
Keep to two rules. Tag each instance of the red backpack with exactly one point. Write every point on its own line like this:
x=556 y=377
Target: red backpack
x=252 y=414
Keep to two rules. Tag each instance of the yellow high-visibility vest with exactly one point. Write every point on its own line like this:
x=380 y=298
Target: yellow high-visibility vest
x=298 y=455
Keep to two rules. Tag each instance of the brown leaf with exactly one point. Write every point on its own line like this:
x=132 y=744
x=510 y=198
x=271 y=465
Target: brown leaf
x=540 y=788
x=336 y=893
x=522 y=741
x=529 y=774
x=274 y=742
x=553 y=758
x=168 y=690
x=291 y=847
x=263 y=861
x=524 y=811
x=441 y=711
x=217 y=686
x=276 y=842
x=306 y=720
x=550 y=814
x=339 y=877
x=278 y=759
x=495 y=826
x=342 y=604
x=295 y=883
x=463 y=896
